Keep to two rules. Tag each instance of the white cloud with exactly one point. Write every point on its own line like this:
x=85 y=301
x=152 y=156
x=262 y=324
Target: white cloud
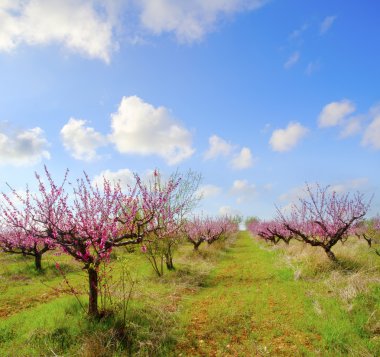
x=292 y=60
x=351 y=185
x=326 y=24
x=334 y=113
x=76 y=24
x=189 y=20
x=372 y=133
x=228 y=211
x=243 y=159
x=81 y=141
x=91 y=27
x=243 y=190
x=268 y=187
x=124 y=177
x=351 y=126
x=312 y=67
x=287 y=139
x=208 y=191
x=217 y=147
x=140 y=128
x=295 y=193
x=26 y=147
x=296 y=34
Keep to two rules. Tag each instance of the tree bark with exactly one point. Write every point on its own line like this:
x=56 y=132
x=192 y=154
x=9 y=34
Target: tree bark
x=37 y=261
x=331 y=255
x=93 y=293
x=197 y=244
x=169 y=262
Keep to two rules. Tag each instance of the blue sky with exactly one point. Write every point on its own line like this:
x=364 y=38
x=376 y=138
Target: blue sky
x=258 y=96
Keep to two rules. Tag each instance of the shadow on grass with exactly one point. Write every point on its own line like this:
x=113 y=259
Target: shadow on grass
x=187 y=276
x=348 y=264
x=49 y=271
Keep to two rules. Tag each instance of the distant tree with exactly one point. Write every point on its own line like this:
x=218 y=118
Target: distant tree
x=271 y=231
x=165 y=227
x=16 y=241
x=377 y=228
x=207 y=229
x=369 y=230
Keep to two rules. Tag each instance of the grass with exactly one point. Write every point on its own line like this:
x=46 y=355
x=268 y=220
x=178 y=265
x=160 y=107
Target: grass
x=246 y=298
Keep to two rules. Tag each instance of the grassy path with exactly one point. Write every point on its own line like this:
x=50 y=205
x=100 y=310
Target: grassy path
x=243 y=301
x=252 y=305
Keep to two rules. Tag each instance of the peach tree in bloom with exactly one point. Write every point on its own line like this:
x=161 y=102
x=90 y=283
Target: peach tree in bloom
x=324 y=217
x=90 y=222
x=271 y=231
x=16 y=241
x=209 y=229
x=22 y=220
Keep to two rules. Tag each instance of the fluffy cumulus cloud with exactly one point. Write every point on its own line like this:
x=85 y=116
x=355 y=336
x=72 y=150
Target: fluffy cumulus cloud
x=189 y=20
x=217 y=147
x=243 y=190
x=243 y=159
x=333 y=114
x=26 y=147
x=208 y=191
x=123 y=177
x=76 y=24
x=140 y=128
x=80 y=140
x=292 y=60
x=326 y=24
x=371 y=135
x=238 y=159
x=286 y=139
x=90 y=27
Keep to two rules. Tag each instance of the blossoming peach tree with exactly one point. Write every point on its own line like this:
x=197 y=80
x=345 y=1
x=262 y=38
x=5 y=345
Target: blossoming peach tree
x=324 y=217
x=88 y=223
x=16 y=241
x=271 y=231
x=208 y=229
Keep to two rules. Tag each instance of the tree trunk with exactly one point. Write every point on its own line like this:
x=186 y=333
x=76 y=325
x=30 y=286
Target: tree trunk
x=196 y=245
x=169 y=262
x=37 y=261
x=331 y=255
x=93 y=292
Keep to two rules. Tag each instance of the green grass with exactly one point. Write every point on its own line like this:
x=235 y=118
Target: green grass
x=236 y=300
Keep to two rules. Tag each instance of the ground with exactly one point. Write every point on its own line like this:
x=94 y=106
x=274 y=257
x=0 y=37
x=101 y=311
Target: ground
x=237 y=299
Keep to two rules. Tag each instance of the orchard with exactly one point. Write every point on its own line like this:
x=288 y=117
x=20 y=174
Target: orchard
x=322 y=218
x=153 y=223
x=88 y=221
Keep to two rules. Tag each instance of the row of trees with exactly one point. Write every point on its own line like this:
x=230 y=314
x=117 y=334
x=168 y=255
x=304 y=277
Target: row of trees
x=208 y=229
x=321 y=219
x=88 y=221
